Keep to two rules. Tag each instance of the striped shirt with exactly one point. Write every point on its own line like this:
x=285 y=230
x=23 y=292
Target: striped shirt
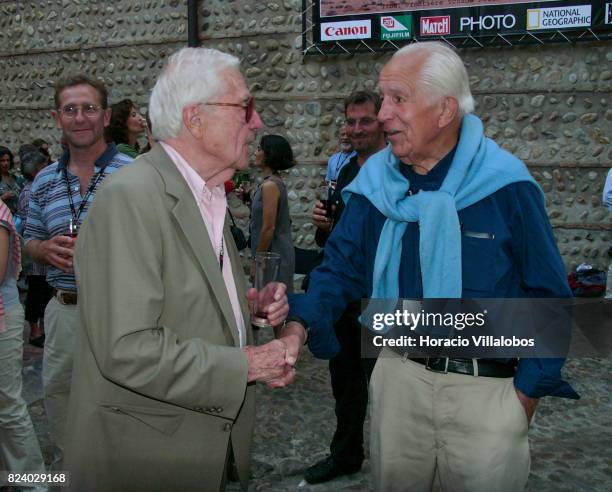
x=49 y=207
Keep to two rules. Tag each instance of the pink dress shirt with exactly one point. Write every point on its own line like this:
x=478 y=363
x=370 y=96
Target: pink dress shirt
x=212 y=205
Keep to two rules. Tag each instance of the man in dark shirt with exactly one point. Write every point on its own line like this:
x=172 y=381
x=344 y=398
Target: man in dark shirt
x=349 y=377
x=441 y=213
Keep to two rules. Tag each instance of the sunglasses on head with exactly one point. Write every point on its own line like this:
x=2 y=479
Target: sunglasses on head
x=249 y=107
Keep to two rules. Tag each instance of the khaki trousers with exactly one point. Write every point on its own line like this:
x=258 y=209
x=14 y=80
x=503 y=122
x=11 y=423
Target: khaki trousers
x=449 y=432
x=19 y=448
x=61 y=325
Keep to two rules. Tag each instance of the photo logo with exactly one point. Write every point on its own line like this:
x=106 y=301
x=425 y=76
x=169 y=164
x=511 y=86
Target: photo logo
x=335 y=31
x=435 y=26
x=559 y=17
x=487 y=22
x=394 y=27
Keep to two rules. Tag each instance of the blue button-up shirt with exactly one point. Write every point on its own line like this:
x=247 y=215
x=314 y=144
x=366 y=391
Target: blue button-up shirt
x=510 y=253
x=49 y=208
x=336 y=162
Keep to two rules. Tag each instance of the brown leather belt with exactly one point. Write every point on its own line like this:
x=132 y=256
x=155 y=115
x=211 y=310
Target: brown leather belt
x=66 y=297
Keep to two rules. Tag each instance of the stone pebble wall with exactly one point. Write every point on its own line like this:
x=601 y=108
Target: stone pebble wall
x=550 y=105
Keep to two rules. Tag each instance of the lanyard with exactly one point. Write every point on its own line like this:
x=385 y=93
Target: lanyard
x=90 y=190
x=221 y=254
x=339 y=164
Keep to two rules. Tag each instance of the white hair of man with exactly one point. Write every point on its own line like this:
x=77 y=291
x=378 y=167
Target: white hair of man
x=443 y=72
x=191 y=76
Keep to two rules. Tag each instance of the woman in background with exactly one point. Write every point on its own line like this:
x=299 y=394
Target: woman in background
x=39 y=291
x=10 y=185
x=125 y=126
x=270 y=224
x=19 y=448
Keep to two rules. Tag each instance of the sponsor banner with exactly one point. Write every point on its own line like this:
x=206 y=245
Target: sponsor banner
x=559 y=17
x=437 y=25
x=478 y=20
x=469 y=22
x=488 y=22
x=331 y=8
x=395 y=27
x=336 y=31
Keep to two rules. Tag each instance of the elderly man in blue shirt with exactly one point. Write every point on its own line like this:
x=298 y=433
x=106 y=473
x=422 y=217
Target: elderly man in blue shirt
x=442 y=212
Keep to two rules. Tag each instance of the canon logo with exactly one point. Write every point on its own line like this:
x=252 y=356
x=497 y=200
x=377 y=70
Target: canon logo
x=487 y=22
x=435 y=26
x=334 y=31
x=346 y=31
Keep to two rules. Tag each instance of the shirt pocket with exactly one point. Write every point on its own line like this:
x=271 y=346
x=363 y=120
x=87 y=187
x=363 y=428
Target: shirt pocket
x=478 y=262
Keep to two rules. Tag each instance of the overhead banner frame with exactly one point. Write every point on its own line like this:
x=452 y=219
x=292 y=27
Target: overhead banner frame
x=332 y=27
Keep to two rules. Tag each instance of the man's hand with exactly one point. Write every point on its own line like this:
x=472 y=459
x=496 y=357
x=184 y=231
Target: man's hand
x=58 y=251
x=294 y=337
x=529 y=404
x=267 y=362
x=272 y=300
x=319 y=217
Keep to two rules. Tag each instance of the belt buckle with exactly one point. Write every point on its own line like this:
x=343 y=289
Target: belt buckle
x=429 y=368
x=59 y=295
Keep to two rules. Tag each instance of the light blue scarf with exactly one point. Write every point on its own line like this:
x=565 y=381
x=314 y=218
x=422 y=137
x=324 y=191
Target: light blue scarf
x=479 y=169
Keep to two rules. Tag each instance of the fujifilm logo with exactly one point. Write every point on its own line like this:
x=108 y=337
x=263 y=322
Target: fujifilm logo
x=334 y=31
x=487 y=22
x=435 y=26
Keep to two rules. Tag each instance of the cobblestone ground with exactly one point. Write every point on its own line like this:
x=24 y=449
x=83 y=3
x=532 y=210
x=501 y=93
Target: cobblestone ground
x=571 y=441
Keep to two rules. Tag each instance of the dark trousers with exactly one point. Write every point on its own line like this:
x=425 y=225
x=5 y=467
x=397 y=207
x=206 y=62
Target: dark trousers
x=37 y=298
x=349 y=378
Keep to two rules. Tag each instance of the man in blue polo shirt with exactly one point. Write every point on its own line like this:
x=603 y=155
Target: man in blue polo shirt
x=59 y=200
x=340 y=159
x=442 y=212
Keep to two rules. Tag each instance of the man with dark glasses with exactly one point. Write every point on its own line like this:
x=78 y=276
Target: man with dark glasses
x=167 y=360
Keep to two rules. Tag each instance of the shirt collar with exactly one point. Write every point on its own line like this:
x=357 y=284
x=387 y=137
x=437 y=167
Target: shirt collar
x=101 y=162
x=194 y=180
x=434 y=178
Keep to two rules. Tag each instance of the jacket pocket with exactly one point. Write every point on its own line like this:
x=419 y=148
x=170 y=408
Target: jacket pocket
x=164 y=421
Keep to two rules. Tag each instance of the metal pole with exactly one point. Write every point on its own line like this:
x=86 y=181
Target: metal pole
x=193 y=40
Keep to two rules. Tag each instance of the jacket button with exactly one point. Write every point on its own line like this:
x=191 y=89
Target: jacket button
x=227 y=427
x=219 y=410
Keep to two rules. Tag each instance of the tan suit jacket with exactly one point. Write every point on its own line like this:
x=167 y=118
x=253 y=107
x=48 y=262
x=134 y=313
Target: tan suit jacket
x=159 y=383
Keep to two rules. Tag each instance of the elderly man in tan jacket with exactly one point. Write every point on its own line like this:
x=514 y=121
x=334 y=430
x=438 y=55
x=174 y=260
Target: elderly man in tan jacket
x=163 y=386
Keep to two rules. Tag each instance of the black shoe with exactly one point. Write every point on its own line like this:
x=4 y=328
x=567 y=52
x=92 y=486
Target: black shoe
x=327 y=469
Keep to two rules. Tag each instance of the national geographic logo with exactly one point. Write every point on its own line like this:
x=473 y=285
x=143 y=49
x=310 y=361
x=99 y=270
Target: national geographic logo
x=559 y=17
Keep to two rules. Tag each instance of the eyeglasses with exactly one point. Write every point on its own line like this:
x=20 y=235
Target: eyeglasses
x=249 y=107
x=88 y=109
x=361 y=122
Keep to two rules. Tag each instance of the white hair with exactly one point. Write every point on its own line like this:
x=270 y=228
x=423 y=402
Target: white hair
x=443 y=72
x=191 y=76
